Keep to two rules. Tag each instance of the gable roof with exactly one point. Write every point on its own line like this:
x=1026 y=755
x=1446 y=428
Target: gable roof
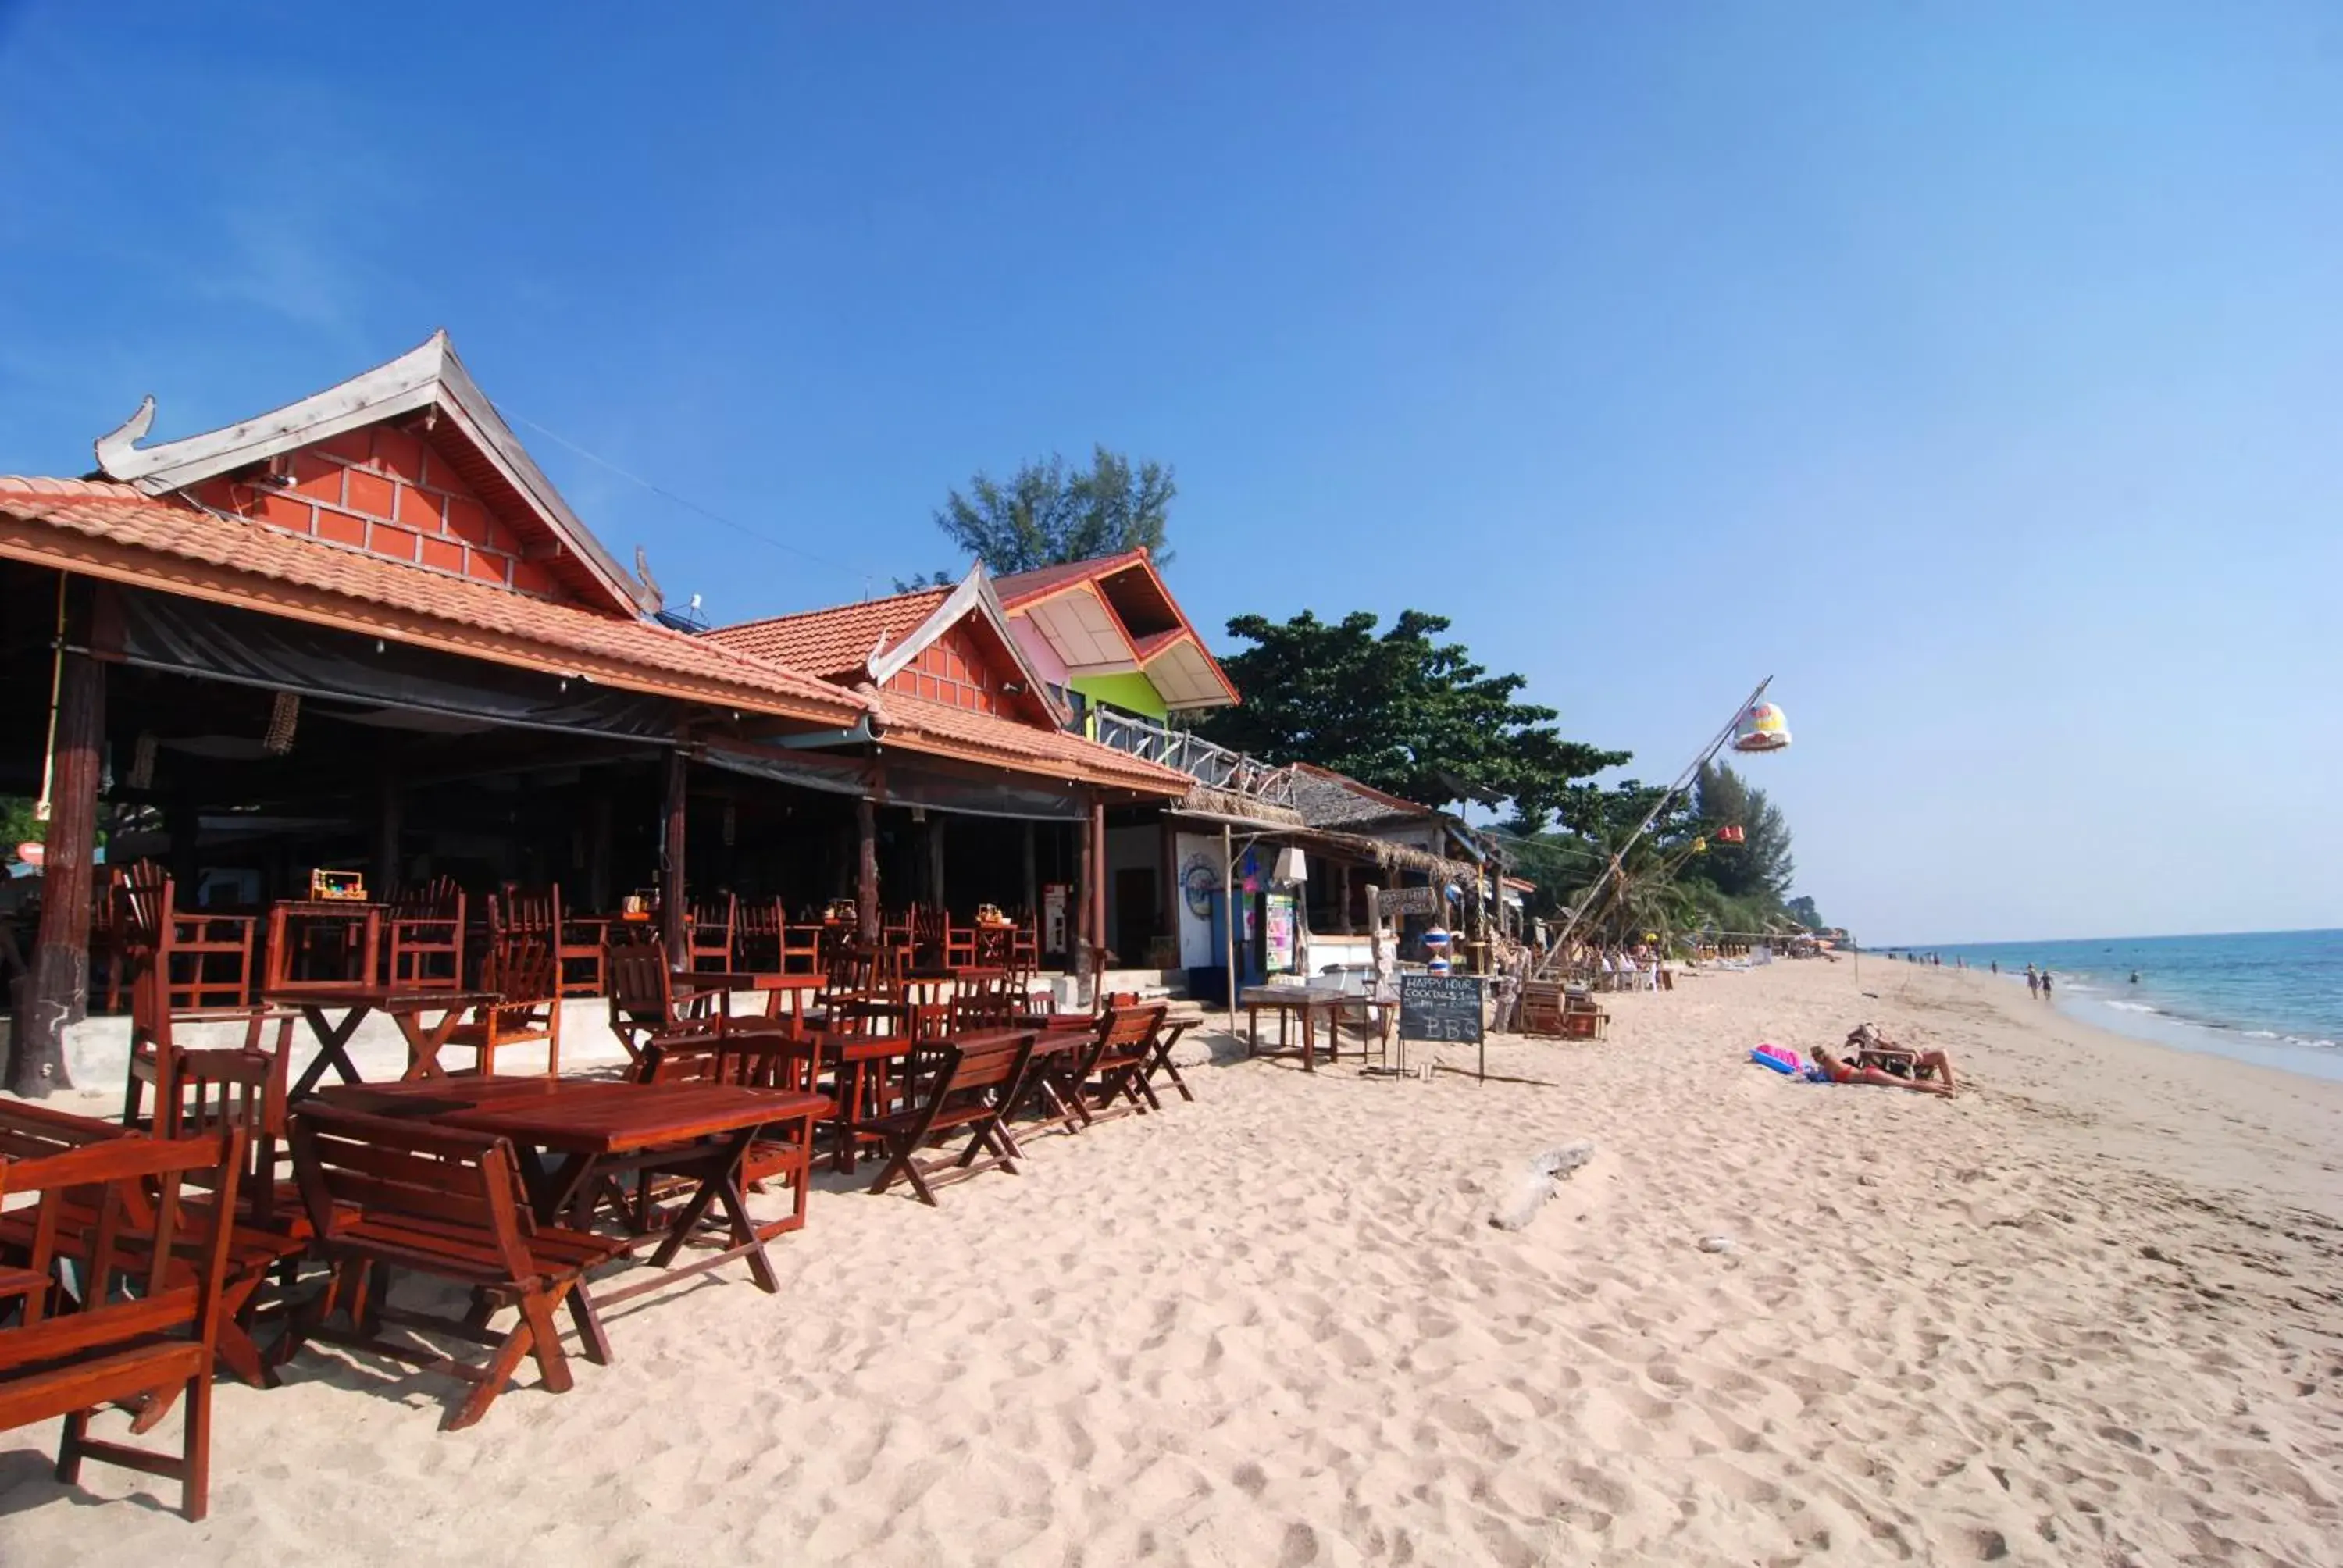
x=428 y=377
x=119 y=533
x=876 y=639
x=941 y=728
x=836 y=643
x=1099 y=640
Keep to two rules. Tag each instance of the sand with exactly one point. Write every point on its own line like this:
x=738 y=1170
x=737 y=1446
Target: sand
x=2087 y=1312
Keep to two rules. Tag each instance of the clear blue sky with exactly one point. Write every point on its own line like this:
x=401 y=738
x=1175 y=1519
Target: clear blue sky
x=1975 y=369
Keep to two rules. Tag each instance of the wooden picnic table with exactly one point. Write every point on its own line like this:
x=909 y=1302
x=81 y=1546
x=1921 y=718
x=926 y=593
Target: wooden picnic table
x=701 y=1131
x=1307 y=1002
x=405 y=1006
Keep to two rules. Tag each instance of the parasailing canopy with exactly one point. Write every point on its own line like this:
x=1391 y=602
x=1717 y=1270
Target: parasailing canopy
x=1764 y=727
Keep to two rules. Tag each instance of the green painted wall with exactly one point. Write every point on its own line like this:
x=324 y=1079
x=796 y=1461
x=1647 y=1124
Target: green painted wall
x=1133 y=693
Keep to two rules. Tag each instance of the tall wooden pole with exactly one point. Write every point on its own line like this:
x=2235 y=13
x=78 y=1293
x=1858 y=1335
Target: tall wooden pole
x=1086 y=937
x=50 y=996
x=1033 y=878
x=1098 y=894
x=866 y=868
x=936 y=860
x=672 y=857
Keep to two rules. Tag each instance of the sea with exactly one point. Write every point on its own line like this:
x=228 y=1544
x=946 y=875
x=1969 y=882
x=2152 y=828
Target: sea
x=2272 y=998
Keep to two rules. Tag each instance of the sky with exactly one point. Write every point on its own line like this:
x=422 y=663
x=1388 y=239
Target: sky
x=1974 y=370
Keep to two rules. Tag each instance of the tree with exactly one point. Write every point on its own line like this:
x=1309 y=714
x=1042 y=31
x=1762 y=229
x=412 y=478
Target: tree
x=1402 y=712
x=1046 y=513
x=1802 y=909
x=1759 y=869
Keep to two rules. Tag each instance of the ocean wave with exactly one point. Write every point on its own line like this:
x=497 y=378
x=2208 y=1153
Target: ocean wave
x=2264 y=1034
x=2133 y=1007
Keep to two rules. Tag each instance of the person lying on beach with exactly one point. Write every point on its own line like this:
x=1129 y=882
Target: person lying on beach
x=1838 y=1071
x=1866 y=1040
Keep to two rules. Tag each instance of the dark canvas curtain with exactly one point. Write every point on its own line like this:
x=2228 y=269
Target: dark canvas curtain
x=218 y=642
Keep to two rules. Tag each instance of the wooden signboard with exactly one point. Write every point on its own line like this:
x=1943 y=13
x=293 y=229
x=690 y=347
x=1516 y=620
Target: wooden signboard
x=1440 y=1007
x=1412 y=901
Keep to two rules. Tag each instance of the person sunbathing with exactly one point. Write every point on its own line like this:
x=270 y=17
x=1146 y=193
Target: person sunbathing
x=1868 y=1041
x=1838 y=1071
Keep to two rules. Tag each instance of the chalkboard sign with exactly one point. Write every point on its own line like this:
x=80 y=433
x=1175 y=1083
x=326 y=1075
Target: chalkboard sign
x=1410 y=901
x=1440 y=1007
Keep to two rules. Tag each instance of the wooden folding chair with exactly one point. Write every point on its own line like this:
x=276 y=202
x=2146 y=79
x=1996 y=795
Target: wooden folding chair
x=384 y=1193
x=148 y=1319
x=950 y=1089
x=1158 y=1061
x=763 y=1058
x=708 y=934
x=756 y=945
x=643 y=1003
x=210 y=1094
x=1113 y=1081
x=526 y=977
x=205 y=959
x=425 y=935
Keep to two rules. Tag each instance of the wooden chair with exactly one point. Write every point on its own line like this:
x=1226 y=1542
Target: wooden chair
x=154 y=1022
x=982 y=999
x=950 y=1089
x=578 y=941
x=930 y=926
x=801 y=949
x=1113 y=1078
x=959 y=945
x=384 y=1192
x=205 y=959
x=526 y=977
x=757 y=941
x=425 y=932
x=765 y=1059
x=643 y=1003
x=155 y=1336
x=211 y=1094
x=708 y=933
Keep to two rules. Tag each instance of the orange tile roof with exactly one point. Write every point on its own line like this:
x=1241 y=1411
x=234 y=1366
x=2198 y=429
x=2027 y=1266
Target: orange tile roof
x=1018 y=588
x=120 y=533
x=921 y=725
x=832 y=642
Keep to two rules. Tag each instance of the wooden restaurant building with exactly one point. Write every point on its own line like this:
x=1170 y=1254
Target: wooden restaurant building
x=365 y=631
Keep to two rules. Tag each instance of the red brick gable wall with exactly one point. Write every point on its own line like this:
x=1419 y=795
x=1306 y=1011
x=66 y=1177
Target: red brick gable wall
x=390 y=492
x=954 y=669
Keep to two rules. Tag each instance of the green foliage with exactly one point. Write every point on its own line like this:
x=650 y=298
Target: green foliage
x=1759 y=869
x=1802 y=909
x=18 y=825
x=1403 y=711
x=1046 y=513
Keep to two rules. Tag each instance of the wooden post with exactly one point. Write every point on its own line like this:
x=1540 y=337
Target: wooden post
x=1228 y=918
x=671 y=858
x=183 y=824
x=1343 y=894
x=936 y=859
x=51 y=995
x=866 y=868
x=388 y=824
x=1098 y=897
x=1085 y=938
x=1167 y=860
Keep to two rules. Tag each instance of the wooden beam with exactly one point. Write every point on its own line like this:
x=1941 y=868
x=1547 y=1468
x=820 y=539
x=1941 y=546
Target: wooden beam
x=52 y=994
x=1098 y=892
x=1033 y=878
x=936 y=859
x=672 y=850
x=866 y=868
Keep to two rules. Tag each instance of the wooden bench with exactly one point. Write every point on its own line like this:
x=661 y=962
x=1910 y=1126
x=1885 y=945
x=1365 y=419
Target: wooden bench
x=949 y=1090
x=384 y=1193
x=156 y=1337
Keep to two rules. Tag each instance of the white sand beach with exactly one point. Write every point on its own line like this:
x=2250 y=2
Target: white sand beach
x=2089 y=1311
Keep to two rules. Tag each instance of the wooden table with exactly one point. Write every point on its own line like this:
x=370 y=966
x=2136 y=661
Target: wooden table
x=799 y=989
x=863 y=1063
x=1309 y=1002
x=285 y=913
x=698 y=1131
x=406 y=1008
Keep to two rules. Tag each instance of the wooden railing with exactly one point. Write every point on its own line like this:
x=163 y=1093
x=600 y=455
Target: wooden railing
x=1201 y=759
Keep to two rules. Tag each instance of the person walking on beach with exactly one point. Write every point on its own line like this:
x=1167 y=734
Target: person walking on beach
x=1997 y=966
x=2046 y=985
x=2033 y=982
